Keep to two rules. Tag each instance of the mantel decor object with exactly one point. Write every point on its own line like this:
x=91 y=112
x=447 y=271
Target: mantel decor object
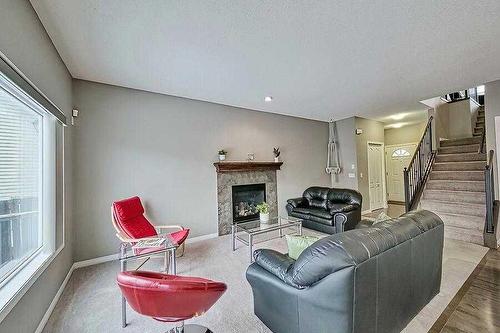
x=222 y=155
x=277 y=153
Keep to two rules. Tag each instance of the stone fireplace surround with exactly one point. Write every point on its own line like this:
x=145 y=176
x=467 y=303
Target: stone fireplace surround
x=243 y=173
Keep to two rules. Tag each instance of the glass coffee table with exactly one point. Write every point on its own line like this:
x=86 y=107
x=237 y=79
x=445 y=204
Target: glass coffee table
x=245 y=232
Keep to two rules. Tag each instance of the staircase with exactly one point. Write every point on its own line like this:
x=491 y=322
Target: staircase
x=455 y=189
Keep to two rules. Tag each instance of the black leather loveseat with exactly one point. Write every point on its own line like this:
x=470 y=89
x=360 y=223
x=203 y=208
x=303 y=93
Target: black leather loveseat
x=366 y=280
x=329 y=210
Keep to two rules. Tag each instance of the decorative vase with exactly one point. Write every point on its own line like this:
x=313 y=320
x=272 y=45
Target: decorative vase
x=276 y=159
x=222 y=157
x=264 y=217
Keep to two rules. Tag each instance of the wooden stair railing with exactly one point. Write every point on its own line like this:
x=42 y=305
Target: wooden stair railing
x=489 y=226
x=417 y=172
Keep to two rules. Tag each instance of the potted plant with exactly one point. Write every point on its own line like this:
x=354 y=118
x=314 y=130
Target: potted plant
x=263 y=209
x=277 y=153
x=222 y=155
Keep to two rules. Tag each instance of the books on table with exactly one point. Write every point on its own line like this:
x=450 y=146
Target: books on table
x=150 y=242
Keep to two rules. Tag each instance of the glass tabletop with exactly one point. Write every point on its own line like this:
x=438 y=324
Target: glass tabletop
x=137 y=249
x=254 y=227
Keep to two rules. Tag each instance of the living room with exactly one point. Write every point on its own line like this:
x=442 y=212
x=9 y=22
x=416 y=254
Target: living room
x=120 y=117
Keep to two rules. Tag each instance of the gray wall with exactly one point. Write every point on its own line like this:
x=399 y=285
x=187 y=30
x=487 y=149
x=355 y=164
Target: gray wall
x=406 y=134
x=162 y=148
x=24 y=41
x=455 y=120
x=373 y=131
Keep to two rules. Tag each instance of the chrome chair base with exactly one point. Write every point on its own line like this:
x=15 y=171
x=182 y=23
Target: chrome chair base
x=190 y=328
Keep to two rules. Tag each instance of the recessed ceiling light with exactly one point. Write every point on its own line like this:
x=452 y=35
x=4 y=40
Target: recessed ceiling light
x=268 y=99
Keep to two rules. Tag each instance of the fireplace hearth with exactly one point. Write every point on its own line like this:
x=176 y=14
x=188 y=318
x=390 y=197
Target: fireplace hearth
x=245 y=199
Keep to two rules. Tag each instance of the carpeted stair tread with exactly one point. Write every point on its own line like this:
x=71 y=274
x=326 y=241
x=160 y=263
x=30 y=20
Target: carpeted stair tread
x=458 y=185
x=459 y=142
x=455 y=196
x=460 y=208
x=472 y=148
x=460 y=157
x=462 y=166
x=457 y=175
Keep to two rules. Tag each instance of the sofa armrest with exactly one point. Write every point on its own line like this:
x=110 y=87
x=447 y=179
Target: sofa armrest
x=297 y=202
x=275 y=263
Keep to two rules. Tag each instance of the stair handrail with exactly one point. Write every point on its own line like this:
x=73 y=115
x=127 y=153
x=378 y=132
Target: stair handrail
x=483 y=140
x=490 y=193
x=417 y=172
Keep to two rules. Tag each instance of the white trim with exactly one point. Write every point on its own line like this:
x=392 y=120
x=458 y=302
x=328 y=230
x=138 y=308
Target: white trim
x=384 y=189
x=201 y=238
x=368 y=211
x=402 y=144
x=95 y=261
x=24 y=289
x=53 y=304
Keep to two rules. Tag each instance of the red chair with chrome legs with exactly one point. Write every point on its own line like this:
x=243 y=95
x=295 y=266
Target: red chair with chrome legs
x=129 y=219
x=170 y=298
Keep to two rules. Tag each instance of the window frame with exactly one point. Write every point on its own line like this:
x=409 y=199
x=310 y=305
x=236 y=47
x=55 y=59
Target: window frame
x=26 y=274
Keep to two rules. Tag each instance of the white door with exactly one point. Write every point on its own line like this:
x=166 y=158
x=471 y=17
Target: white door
x=396 y=159
x=376 y=175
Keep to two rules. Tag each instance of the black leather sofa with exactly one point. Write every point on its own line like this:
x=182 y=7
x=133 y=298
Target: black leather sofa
x=329 y=210
x=366 y=280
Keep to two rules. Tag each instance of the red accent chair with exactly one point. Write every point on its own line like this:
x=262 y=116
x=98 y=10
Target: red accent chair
x=170 y=298
x=131 y=224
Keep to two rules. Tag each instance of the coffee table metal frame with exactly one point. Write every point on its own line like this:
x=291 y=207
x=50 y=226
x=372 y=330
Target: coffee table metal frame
x=168 y=250
x=281 y=224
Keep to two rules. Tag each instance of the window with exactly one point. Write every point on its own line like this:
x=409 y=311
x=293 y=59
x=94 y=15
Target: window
x=401 y=152
x=20 y=183
x=29 y=229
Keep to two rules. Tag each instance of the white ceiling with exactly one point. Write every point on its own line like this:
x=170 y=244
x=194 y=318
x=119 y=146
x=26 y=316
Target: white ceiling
x=319 y=60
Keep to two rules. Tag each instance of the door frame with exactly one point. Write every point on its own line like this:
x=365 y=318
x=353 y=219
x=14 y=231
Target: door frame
x=384 y=190
x=385 y=158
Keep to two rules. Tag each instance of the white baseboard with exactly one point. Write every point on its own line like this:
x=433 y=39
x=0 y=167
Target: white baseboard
x=52 y=305
x=201 y=238
x=95 y=261
x=366 y=211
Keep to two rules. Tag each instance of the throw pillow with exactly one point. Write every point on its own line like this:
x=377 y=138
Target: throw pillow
x=297 y=244
x=381 y=218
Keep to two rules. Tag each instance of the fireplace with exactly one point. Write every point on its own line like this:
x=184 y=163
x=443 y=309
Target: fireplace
x=245 y=201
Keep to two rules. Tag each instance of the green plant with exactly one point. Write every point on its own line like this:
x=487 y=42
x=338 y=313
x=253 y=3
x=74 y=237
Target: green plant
x=263 y=208
x=222 y=152
x=276 y=152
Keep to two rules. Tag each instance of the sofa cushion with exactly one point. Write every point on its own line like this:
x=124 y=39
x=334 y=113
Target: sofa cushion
x=344 y=196
x=316 y=196
x=129 y=216
x=314 y=214
x=301 y=213
x=319 y=212
x=321 y=220
x=341 y=208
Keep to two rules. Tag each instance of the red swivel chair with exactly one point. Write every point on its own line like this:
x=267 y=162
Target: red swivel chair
x=129 y=219
x=170 y=298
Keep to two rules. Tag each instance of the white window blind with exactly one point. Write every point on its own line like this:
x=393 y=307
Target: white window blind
x=20 y=183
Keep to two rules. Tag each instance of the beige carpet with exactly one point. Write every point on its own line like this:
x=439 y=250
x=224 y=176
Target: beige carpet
x=91 y=300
